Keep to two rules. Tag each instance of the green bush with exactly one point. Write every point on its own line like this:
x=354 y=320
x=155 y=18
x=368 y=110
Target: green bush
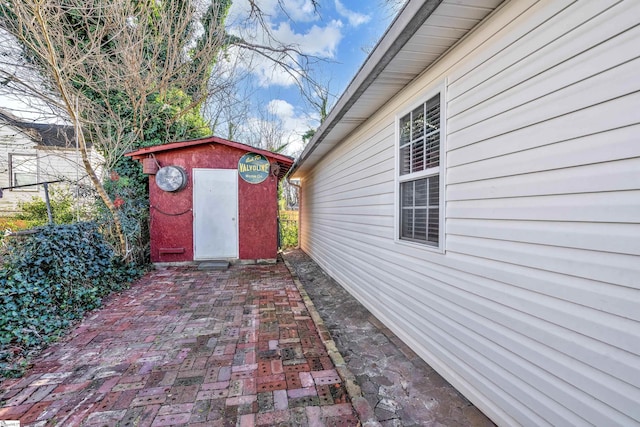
x=63 y=209
x=288 y=234
x=49 y=279
x=128 y=188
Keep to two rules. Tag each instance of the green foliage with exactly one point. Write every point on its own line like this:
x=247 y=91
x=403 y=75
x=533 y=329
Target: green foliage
x=288 y=233
x=288 y=221
x=171 y=118
x=127 y=187
x=63 y=208
x=214 y=17
x=306 y=137
x=49 y=279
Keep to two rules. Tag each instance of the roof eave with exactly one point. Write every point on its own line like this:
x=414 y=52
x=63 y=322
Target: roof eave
x=408 y=20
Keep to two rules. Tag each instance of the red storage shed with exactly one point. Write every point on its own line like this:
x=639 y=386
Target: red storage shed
x=212 y=199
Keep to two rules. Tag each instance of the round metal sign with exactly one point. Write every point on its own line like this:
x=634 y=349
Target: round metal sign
x=253 y=168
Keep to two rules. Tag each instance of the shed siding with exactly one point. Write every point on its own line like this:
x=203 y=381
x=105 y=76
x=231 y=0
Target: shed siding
x=533 y=310
x=172 y=216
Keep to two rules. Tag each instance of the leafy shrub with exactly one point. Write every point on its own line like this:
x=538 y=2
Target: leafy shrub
x=63 y=208
x=127 y=187
x=288 y=233
x=49 y=279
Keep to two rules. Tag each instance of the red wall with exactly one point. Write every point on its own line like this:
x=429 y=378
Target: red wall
x=257 y=207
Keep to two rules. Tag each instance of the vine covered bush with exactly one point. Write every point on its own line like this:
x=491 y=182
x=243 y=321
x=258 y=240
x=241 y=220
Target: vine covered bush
x=49 y=279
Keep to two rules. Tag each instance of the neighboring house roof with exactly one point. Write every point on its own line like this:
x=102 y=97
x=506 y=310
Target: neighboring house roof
x=285 y=162
x=423 y=32
x=44 y=134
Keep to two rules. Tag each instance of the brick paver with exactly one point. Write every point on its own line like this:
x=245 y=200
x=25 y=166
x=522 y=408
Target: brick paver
x=188 y=347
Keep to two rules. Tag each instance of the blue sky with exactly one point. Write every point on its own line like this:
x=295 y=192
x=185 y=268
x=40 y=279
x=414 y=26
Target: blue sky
x=340 y=32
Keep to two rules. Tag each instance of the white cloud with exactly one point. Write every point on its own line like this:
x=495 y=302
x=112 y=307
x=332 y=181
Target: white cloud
x=355 y=19
x=314 y=41
x=274 y=124
x=265 y=72
x=300 y=10
x=24 y=92
x=273 y=11
x=294 y=123
x=280 y=108
x=317 y=41
x=286 y=23
x=269 y=74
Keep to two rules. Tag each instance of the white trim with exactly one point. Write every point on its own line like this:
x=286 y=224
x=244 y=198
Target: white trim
x=441 y=170
x=420 y=174
x=444 y=101
x=11 y=169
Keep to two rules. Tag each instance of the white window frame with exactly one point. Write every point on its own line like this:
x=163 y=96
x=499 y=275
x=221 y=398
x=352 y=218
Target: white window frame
x=439 y=170
x=12 y=171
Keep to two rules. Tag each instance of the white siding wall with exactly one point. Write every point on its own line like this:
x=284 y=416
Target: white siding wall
x=12 y=141
x=53 y=163
x=533 y=312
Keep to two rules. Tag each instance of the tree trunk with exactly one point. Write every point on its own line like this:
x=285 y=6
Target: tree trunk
x=82 y=144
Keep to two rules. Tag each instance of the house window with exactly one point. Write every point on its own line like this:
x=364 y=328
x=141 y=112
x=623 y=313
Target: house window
x=23 y=170
x=419 y=174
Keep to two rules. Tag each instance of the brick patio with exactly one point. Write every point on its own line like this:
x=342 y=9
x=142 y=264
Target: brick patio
x=189 y=347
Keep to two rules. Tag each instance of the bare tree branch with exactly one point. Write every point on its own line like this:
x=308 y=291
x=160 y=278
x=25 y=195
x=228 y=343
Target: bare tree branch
x=109 y=67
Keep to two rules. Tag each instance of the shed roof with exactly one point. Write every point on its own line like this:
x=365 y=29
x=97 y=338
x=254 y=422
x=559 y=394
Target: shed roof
x=283 y=161
x=423 y=32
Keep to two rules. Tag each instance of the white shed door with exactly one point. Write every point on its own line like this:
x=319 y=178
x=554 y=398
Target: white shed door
x=215 y=213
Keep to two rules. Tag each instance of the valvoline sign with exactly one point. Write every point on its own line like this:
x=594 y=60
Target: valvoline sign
x=253 y=168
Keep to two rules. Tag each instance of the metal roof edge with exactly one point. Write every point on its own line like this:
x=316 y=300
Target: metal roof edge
x=207 y=140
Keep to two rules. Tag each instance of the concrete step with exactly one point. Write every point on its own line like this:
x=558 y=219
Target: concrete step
x=213 y=265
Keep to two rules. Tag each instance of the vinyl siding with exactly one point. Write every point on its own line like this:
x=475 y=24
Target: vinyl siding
x=533 y=311
x=53 y=163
